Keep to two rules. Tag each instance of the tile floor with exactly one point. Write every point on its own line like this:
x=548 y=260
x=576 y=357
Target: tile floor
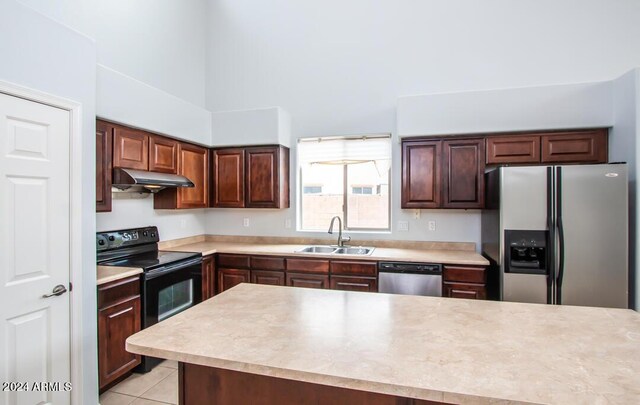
x=157 y=387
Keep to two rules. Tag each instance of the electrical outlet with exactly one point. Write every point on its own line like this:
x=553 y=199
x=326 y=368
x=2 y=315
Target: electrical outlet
x=403 y=226
x=416 y=214
x=431 y=225
x=245 y=222
x=287 y=223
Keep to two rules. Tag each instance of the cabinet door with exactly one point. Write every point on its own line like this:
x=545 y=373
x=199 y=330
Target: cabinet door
x=130 y=148
x=115 y=324
x=421 y=174
x=267 y=277
x=104 y=165
x=575 y=147
x=228 y=178
x=228 y=278
x=461 y=290
x=163 y=155
x=367 y=284
x=513 y=149
x=193 y=163
x=463 y=173
x=262 y=177
x=307 y=280
x=208 y=277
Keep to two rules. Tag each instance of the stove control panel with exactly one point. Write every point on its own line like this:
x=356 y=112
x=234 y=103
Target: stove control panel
x=126 y=238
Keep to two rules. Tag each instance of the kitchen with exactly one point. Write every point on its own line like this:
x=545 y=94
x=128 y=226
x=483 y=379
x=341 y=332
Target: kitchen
x=213 y=93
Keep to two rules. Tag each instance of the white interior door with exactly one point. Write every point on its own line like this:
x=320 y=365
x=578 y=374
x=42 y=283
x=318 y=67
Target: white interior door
x=34 y=250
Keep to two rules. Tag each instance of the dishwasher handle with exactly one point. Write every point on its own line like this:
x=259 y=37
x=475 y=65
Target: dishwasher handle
x=411 y=268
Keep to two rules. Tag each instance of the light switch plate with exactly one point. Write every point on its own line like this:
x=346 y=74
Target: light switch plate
x=416 y=214
x=403 y=226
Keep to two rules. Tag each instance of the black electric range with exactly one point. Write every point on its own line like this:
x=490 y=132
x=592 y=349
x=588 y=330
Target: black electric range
x=171 y=281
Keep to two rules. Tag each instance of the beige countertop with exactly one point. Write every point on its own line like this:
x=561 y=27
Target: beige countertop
x=445 y=256
x=442 y=349
x=106 y=274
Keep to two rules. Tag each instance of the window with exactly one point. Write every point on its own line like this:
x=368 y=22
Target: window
x=312 y=189
x=347 y=177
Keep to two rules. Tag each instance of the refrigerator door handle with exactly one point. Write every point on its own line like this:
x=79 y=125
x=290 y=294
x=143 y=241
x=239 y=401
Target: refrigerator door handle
x=560 y=236
x=551 y=236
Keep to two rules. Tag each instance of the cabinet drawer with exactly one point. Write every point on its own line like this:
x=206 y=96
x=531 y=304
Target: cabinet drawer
x=465 y=274
x=367 y=284
x=267 y=277
x=307 y=280
x=462 y=290
x=117 y=291
x=513 y=149
x=233 y=261
x=308 y=265
x=575 y=147
x=354 y=267
x=267 y=263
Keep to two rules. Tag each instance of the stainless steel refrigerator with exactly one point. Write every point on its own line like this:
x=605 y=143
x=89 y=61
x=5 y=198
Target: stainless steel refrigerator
x=559 y=234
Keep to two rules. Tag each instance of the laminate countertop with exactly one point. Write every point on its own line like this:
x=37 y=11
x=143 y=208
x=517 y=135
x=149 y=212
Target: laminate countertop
x=106 y=274
x=440 y=349
x=444 y=256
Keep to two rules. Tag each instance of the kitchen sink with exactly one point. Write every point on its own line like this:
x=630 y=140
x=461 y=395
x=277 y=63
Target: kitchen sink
x=336 y=250
x=354 y=251
x=318 y=249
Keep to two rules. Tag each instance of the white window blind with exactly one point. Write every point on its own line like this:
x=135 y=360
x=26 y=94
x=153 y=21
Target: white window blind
x=346 y=150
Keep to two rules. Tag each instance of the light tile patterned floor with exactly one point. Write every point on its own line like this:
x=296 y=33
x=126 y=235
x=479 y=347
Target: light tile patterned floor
x=157 y=387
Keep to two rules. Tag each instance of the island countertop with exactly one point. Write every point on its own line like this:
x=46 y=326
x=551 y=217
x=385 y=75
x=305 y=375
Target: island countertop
x=439 y=349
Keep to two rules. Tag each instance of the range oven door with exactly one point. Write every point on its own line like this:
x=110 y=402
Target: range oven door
x=167 y=292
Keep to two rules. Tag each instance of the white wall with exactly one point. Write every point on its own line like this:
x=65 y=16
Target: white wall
x=623 y=146
x=42 y=54
x=133 y=213
x=131 y=102
x=261 y=126
x=159 y=42
x=339 y=68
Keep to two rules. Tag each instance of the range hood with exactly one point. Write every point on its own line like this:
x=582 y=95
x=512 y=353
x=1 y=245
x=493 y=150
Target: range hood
x=140 y=180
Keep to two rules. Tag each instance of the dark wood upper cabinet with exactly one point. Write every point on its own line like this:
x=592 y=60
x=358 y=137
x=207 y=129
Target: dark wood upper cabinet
x=252 y=177
x=463 y=173
x=130 y=148
x=575 y=147
x=104 y=164
x=513 y=149
x=228 y=178
x=267 y=177
x=193 y=163
x=163 y=154
x=421 y=174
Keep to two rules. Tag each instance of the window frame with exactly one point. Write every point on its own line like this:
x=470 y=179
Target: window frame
x=345 y=196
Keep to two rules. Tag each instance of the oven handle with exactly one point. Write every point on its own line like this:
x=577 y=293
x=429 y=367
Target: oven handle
x=161 y=271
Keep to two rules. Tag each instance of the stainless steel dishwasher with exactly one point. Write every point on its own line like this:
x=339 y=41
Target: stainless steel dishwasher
x=410 y=278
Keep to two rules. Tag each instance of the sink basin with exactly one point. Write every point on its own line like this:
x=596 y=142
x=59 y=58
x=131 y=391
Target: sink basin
x=354 y=251
x=351 y=250
x=318 y=249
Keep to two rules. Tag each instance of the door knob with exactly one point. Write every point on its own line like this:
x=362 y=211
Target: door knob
x=57 y=290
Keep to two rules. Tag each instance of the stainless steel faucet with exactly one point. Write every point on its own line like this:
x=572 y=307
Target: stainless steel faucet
x=341 y=240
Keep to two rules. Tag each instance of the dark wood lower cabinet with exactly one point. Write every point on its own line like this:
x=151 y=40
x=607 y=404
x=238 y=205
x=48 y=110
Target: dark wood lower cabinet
x=463 y=290
x=119 y=316
x=208 y=277
x=267 y=277
x=308 y=280
x=228 y=278
x=207 y=385
x=366 y=284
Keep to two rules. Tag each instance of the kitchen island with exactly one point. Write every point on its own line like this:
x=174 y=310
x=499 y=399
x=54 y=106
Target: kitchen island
x=270 y=344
